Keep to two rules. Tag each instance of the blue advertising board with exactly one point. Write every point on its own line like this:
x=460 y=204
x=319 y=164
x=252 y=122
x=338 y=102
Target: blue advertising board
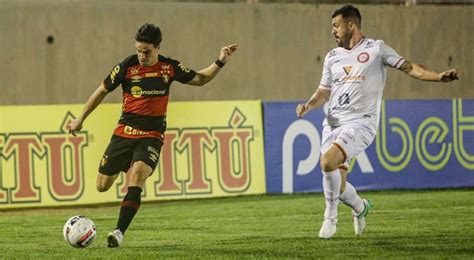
x=419 y=144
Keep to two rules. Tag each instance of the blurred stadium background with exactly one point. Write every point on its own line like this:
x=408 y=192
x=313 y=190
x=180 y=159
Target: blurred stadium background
x=55 y=53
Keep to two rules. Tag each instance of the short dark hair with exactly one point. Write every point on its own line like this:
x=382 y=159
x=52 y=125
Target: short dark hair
x=149 y=33
x=349 y=13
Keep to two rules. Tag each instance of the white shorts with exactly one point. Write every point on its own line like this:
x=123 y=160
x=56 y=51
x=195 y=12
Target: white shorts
x=352 y=139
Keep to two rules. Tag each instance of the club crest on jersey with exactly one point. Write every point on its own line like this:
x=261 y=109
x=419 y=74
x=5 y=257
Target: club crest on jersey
x=347 y=69
x=165 y=78
x=363 y=57
x=165 y=73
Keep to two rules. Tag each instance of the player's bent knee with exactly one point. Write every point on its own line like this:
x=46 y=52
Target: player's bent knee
x=327 y=165
x=102 y=188
x=104 y=182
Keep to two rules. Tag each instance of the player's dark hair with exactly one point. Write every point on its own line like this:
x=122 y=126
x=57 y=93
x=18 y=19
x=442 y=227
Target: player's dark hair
x=149 y=33
x=349 y=13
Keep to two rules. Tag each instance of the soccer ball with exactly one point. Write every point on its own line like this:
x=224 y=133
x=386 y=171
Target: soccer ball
x=79 y=231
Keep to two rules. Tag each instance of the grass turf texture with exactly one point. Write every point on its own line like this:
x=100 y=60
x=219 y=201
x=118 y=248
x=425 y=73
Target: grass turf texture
x=403 y=224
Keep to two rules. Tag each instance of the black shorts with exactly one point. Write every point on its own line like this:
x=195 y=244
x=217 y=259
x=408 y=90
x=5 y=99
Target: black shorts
x=123 y=152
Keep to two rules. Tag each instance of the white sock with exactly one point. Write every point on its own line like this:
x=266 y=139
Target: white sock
x=351 y=199
x=332 y=188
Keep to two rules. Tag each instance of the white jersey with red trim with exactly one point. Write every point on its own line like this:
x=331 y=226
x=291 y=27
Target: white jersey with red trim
x=356 y=79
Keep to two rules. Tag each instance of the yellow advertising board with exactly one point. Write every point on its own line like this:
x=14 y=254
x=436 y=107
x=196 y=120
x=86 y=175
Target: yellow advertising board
x=211 y=149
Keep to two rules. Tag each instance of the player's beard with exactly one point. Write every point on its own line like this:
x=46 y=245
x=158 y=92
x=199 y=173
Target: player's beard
x=345 y=39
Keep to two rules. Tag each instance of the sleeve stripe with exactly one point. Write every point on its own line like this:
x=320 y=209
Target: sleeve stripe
x=324 y=87
x=399 y=63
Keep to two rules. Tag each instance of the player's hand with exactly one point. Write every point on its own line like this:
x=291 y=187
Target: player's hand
x=74 y=126
x=301 y=110
x=449 y=75
x=226 y=52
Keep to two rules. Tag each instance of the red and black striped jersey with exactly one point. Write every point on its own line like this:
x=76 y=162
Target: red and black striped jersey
x=145 y=94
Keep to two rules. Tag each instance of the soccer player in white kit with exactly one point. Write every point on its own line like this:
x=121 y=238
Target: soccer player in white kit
x=353 y=80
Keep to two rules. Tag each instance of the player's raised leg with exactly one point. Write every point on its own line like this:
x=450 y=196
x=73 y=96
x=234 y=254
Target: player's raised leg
x=330 y=162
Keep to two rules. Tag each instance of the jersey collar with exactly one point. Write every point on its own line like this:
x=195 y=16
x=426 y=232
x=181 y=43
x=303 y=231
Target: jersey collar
x=355 y=46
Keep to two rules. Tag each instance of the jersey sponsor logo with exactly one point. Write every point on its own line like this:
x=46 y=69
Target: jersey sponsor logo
x=347 y=69
x=357 y=78
x=127 y=131
x=351 y=109
x=343 y=99
x=369 y=44
x=183 y=68
x=351 y=79
x=151 y=75
x=114 y=73
x=132 y=131
x=363 y=57
x=137 y=92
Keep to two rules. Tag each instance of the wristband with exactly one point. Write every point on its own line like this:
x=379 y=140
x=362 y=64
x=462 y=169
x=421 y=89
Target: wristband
x=219 y=63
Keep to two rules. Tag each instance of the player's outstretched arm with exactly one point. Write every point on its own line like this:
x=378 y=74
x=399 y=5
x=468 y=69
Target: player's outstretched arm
x=318 y=99
x=205 y=75
x=94 y=100
x=420 y=72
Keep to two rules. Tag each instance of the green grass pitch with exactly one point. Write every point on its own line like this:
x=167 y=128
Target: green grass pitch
x=403 y=224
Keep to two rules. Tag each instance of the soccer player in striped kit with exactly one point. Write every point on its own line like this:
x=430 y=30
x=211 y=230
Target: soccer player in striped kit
x=135 y=146
x=352 y=81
